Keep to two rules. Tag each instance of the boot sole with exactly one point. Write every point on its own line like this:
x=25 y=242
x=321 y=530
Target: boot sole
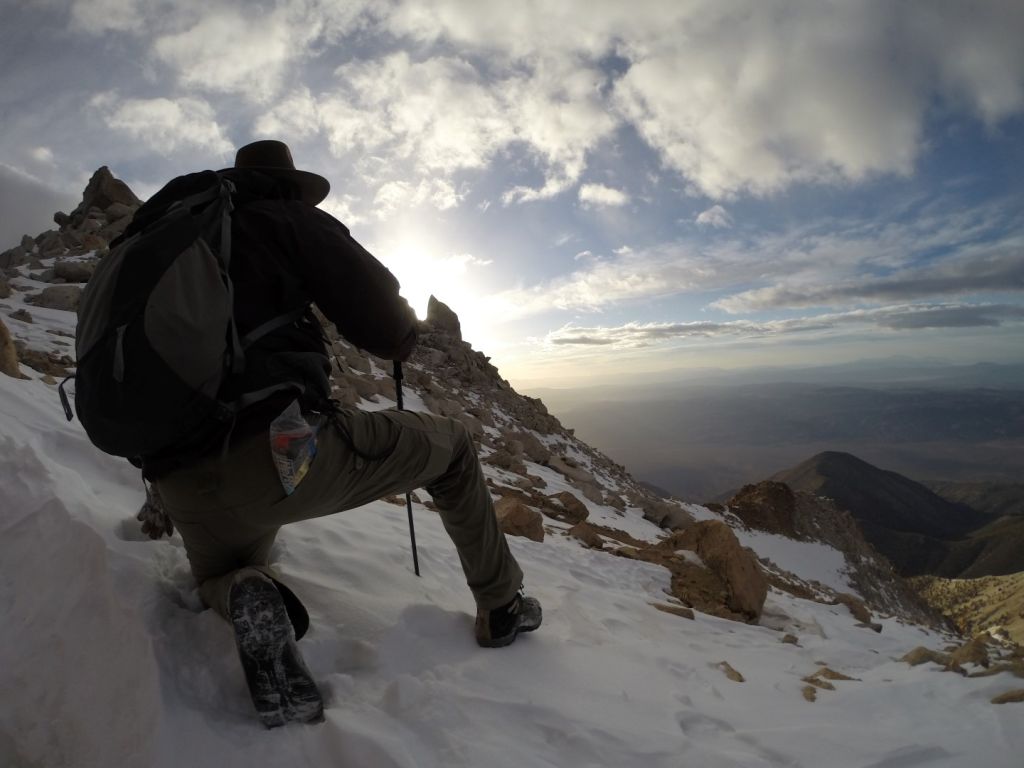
x=280 y=684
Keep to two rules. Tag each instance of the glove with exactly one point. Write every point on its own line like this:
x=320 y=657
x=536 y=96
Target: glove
x=155 y=522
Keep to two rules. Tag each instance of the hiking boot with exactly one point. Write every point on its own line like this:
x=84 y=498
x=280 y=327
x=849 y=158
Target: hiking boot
x=500 y=626
x=280 y=684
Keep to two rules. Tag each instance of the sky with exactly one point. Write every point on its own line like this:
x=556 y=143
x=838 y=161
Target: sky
x=601 y=190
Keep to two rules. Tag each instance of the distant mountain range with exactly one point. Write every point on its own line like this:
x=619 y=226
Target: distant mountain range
x=918 y=530
x=699 y=441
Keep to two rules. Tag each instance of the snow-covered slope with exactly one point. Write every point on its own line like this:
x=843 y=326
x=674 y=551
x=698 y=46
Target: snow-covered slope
x=107 y=658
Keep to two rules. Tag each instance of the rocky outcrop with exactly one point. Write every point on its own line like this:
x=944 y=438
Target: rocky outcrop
x=774 y=507
x=587 y=535
x=517 y=519
x=768 y=506
x=106 y=207
x=8 y=354
x=716 y=544
x=666 y=514
x=566 y=507
x=74 y=271
x=64 y=297
x=441 y=317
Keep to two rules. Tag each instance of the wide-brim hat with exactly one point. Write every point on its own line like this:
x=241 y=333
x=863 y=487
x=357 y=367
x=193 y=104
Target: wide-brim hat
x=274 y=158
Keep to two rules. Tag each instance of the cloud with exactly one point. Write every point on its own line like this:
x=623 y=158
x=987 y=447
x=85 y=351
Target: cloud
x=397 y=195
x=716 y=216
x=609 y=281
x=940 y=253
x=231 y=50
x=896 y=318
x=989 y=267
x=736 y=96
x=227 y=46
x=102 y=16
x=592 y=195
x=442 y=115
x=42 y=155
x=744 y=96
x=298 y=117
x=163 y=124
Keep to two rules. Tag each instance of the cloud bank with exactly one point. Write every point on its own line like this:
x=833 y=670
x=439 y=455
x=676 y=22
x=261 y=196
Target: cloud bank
x=895 y=318
x=736 y=97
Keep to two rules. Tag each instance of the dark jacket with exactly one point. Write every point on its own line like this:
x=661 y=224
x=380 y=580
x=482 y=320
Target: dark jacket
x=285 y=254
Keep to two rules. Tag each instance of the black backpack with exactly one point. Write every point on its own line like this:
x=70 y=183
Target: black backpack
x=156 y=338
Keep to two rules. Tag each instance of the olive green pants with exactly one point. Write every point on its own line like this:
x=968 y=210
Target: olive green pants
x=229 y=509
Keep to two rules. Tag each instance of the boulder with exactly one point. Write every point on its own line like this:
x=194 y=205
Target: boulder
x=14 y=257
x=103 y=190
x=532 y=447
x=591 y=492
x=1015 y=696
x=571 y=469
x=64 y=297
x=364 y=385
x=566 y=507
x=922 y=655
x=716 y=544
x=974 y=651
x=442 y=318
x=514 y=447
x=676 y=610
x=8 y=354
x=50 y=244
x=501 y=459
x=614 y=501
x=484 y=415
x=517 y=519
x=112 y=230
x=94 y=242
x=74 y=271
x=665 y=514
x=476 y=429
x=585 y=533
x=857 y=607
x=116 y=211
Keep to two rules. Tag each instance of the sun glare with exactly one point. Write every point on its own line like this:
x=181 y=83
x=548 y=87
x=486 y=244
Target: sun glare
x=423 y=271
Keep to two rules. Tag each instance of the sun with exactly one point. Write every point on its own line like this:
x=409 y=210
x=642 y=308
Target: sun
x=424 y=270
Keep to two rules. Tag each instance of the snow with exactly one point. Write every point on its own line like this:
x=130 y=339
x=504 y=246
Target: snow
x=811 y=560
x=107 y=658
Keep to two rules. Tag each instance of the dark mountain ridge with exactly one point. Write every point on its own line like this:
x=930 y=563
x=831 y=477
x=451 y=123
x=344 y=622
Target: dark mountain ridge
x=919 y=531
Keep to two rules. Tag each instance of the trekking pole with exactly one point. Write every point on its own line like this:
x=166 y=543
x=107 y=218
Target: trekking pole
x=408 y=494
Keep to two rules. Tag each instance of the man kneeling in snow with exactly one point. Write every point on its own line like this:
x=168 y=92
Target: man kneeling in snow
x=286 y=253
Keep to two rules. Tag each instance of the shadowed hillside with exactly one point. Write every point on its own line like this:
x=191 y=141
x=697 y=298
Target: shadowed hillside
x=990 y=498
x=919 y=531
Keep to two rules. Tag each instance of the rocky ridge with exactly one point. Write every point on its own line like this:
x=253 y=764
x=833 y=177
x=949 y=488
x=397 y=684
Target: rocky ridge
x=774 y=507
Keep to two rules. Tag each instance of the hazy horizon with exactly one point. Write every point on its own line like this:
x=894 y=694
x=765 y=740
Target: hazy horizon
x=711 y=434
